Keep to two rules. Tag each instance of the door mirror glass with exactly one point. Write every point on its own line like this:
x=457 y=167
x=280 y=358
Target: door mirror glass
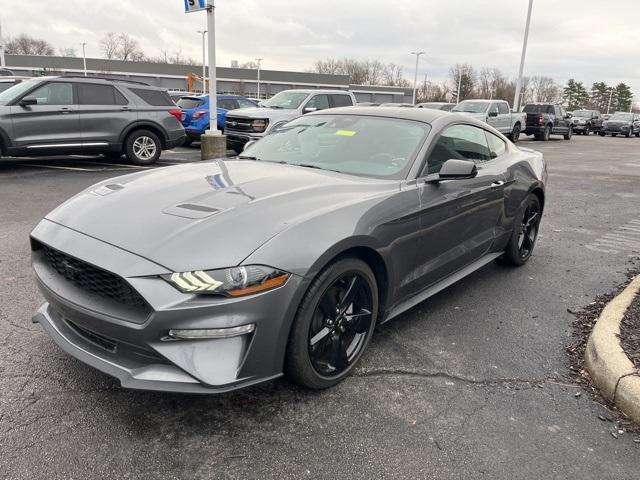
x=26 y=101
x=455 y=169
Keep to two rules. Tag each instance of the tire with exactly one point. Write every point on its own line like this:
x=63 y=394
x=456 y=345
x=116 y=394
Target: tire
x=587 y=130
x=546 y=134
x=316 y=340
x=515 y=133
x=629 y=133
x=638 y=133
x=602 y=133
x=187 y=142
x=614 y=134
x=518 y=252
x=569 y=134
x=143 y=147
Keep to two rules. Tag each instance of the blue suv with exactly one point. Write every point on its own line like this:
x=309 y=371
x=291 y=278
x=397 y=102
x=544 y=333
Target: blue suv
x=195 y=112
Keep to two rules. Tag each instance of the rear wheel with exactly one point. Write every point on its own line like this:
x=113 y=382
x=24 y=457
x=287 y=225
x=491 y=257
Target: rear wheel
x=602 y=133
x=587 y=130
x=515 y=133
x=546 y=133
x=143 y=147
x=525 y=233
x=334 y=324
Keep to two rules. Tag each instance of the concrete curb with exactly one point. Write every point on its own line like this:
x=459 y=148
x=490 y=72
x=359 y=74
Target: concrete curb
x=607 y=363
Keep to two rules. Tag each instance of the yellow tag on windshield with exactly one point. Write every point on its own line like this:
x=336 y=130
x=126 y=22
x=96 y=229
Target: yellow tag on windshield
x=346 y=133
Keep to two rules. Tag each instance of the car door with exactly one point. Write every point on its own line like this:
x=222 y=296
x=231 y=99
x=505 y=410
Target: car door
x=504 y=118
x=458 y=218
x=493 y=115
x=52 y=123
x=104 y=113
x=562 y=122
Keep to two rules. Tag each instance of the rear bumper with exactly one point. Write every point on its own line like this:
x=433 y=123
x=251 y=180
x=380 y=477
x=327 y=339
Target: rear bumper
x=533 y=129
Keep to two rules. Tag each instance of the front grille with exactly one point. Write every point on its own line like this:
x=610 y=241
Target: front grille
x=239 y=124
x=92 y=279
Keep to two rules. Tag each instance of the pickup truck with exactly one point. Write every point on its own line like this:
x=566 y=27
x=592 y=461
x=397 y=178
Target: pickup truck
x=250 y=124
x=546 y=119
x=586 y=121
x=496 y=113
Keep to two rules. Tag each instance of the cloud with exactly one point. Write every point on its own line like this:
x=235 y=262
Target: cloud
x=582 y=40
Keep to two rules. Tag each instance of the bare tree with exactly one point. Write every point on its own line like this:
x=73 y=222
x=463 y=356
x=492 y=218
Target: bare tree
x=544 y=89
x=68 y=52
x=26 y=45
x=465 y=75
x=129 y=49
x=110 y=44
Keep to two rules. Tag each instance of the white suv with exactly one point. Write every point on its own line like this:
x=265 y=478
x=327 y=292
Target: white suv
x=250 y=124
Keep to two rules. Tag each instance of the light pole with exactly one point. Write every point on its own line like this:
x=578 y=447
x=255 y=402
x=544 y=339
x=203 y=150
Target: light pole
x=2 y=64
x=259 y=60
x=516 y=100
x=415 y=76
x=609 y=104
x=213 y=101
x=459 y=85
x=204 y=63
x=84 y=57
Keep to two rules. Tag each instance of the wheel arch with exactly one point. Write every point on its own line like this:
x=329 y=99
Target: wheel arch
x=145 y=125
x=539 y=192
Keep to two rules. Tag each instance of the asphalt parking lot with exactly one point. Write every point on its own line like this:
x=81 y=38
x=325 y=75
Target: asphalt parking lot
x=472 y=383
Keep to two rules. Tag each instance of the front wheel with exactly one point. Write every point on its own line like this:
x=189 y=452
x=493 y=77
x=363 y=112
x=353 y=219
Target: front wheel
x=602 y=133
x=525 y=233
x=333 y=325
x=143 y=147
x=515 y=134
x=569 y=134
x=587 y=130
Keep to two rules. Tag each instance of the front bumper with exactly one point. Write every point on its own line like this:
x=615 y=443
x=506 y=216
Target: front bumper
x=136 y=350
x=237 y=140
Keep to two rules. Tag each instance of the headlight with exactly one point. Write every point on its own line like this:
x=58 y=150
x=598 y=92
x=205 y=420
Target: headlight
x=259 y=125
x=232 y=282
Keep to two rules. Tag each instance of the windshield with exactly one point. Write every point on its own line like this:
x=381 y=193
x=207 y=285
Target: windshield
x=627 y=117
x=471 y=107
x=286 y=100
x=353 y=144
x=532 y=108
x=582 y=113
x=10 y=94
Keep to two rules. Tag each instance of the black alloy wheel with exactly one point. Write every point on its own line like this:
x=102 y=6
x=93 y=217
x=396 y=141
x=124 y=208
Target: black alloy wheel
x=515 y=134
x=333 y=325
x=340 y=324
x=524 y=233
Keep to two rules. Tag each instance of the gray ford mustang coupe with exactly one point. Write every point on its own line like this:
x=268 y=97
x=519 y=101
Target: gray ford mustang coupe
x=211 y=276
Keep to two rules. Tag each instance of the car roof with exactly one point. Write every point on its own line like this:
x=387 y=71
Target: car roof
x=418 y=114
x=314 y=90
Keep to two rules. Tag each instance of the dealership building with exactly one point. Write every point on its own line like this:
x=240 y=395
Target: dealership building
x=238 y=81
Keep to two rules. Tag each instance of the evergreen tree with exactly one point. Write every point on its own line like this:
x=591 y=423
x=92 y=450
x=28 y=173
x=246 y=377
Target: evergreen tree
x=575 y=95
x=622 y=98
x=599 y=96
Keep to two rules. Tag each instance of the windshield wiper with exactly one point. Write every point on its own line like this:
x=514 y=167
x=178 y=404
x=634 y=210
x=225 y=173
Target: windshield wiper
x=247 y=157
x=308 y=165
x=277 y=107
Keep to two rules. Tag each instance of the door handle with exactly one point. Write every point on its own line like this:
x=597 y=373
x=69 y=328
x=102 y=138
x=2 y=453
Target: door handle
x=65 y=110
x=125 y=109
x=497 y=184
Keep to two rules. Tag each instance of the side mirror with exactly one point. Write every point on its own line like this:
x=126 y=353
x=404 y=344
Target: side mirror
x=309 y=109
x=569 y=115
x=493 y=114
x=26 y=101
x=457 y=170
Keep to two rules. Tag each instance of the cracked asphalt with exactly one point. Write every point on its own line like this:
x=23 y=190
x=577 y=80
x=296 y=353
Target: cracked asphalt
x=472 y=383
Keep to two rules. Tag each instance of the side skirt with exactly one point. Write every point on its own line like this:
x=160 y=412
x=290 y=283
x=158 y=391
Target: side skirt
x=438 y=287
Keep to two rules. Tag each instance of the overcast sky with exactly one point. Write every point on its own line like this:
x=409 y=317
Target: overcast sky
x=587 y=39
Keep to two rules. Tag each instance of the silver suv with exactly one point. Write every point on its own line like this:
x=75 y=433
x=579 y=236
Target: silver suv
x=88 y=115
x=249 y=124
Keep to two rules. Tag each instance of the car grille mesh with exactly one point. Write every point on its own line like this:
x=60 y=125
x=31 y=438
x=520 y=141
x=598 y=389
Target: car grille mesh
x=92 y=279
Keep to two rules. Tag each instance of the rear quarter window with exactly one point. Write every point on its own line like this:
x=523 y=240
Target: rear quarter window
x=341 y=101
x=156 y=98
x=189 y=103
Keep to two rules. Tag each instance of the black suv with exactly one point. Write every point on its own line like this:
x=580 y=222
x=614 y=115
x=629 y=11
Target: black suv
x=545 y=119
x=621 y=123
x=88 y=115
x=587 y=121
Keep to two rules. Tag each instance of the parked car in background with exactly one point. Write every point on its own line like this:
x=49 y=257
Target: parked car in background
x=546 y=119
x=7 y=82
x=88 y=115
x=252 y=124
x=178 y=94
x=437 y=106
x=394 y=104
x=586 y=121
x=496 y=113
x=311 y=238
x=195 y=113
x=621 y=123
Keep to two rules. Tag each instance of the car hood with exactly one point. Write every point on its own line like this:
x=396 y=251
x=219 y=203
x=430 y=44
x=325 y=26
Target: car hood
x=211 y=214
x=618 y=122
x=479 y=116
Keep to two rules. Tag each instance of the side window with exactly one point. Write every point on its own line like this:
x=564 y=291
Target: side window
x=493 y=108
x=242 y=103
x=497 y=146
x=319 y=102
x=56 y=93
x=341 y=101
x=462 y=142
x=503 y=108
x=92 y=94
x=226 y=103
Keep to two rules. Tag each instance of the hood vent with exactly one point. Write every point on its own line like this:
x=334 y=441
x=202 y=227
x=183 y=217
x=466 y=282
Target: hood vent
x=191 y=210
